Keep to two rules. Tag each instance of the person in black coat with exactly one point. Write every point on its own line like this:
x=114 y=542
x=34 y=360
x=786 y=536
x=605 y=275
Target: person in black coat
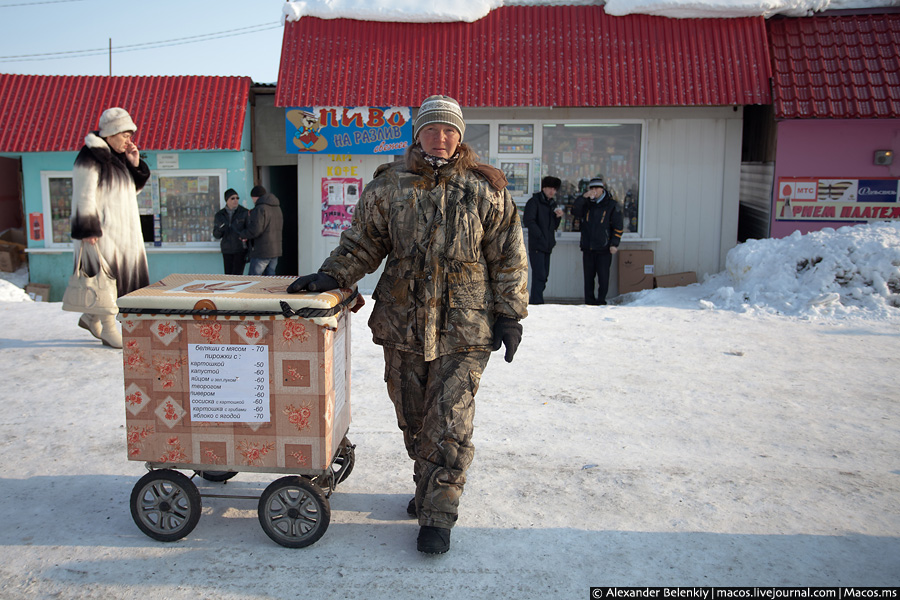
x=263 y=232
x=226 y=225
x=542 y=217
x=602 y=224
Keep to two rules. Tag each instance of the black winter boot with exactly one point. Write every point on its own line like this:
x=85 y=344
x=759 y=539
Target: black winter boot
x=433 y=540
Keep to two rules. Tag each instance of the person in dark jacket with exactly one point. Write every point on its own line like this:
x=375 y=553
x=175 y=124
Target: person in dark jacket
x=542 y=217
x=226 y=225
x=263 y=232
x=601 y=232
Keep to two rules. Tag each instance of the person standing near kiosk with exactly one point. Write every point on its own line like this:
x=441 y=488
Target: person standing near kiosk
x=226 y=225
x=454 y=288
x=602 y=224
x=541 y=219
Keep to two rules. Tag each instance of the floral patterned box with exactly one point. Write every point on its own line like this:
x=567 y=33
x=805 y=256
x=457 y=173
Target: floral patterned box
x=220 y=373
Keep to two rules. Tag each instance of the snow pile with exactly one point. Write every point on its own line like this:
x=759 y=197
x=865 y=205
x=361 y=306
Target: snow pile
x=402 y=11
x=705 y=9
x=12 y=284
x=854 y=271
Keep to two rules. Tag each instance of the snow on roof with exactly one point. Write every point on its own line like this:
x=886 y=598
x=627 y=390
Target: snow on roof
x=415 y=11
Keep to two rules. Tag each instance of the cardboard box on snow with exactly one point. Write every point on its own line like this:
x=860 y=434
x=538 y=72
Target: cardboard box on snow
x=217 y=376
x=635 y=270
x=9 y=258
x=675 y=280
x=12 y=250
x=39 y=292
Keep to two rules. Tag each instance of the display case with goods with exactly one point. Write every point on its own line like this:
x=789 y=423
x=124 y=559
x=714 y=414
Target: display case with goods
x=176 y=207
x=60 y=195
x=187 y=204
x=516 y=139
x=578 y=152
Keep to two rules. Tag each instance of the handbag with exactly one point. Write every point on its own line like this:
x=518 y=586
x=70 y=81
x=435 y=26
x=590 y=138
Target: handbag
x=92 y=295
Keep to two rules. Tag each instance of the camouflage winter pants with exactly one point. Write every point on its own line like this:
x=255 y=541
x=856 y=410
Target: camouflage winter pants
x=435 y=404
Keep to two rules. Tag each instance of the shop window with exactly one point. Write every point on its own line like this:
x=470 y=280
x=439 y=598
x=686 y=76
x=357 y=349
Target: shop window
x=516 y=172
x=478 y=138
x=186 y=202
x=176 y=207
x=57 y=196
x=515 y=139
x=577 y=152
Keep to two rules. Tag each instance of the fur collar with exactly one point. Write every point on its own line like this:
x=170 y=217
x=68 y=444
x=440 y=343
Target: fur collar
x=93 y=141
x=100 y=150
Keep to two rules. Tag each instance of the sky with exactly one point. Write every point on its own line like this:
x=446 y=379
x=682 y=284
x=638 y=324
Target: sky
x=240 y=37
x=741 y=431
x=243 y=37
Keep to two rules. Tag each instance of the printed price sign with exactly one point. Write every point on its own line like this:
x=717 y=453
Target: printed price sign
x=229 y=383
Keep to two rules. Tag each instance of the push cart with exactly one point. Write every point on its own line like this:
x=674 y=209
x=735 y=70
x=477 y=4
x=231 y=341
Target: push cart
x=227 y=374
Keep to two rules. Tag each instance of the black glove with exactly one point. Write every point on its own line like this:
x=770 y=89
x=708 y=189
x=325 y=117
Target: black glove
x=507 y=332
x=317 y=282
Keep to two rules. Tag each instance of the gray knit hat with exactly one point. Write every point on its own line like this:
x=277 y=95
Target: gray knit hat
x=597 y=182
x=115 y=120
x=439 y=109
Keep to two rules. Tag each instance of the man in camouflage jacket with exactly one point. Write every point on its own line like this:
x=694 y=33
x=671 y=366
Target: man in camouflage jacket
x=453 y=288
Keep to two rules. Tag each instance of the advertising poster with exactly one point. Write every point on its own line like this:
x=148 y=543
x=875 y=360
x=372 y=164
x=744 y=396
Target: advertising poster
x=836 y=199
x=348 y=130
x=339 y=198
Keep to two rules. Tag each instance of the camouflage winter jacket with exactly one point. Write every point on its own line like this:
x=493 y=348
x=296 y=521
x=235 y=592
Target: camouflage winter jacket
x=455 y=258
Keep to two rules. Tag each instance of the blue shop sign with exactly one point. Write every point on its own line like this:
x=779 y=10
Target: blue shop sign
x=348 y=130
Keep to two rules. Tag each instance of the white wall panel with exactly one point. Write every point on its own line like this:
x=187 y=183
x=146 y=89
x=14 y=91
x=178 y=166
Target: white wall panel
x=691 y=192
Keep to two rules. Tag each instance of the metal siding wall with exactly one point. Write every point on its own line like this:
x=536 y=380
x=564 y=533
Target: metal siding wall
x=516 y=56
x=731 y=189
x=45 y=113
x=836 y=66
x=687 y=190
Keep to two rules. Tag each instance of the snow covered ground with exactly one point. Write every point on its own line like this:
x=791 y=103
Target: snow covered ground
x=740 y=431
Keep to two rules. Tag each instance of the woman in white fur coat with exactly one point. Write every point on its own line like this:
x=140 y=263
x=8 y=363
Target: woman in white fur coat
x=107 y=176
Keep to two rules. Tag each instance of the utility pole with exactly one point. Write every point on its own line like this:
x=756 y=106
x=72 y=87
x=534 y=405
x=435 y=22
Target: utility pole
x=110 y=57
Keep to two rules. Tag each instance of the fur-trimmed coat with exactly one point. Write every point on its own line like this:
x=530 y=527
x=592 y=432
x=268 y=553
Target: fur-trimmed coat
x=104 y=205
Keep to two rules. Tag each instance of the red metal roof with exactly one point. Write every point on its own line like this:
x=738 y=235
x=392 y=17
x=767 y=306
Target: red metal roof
x=48 y=113
x=527 y=56
x=839 y=67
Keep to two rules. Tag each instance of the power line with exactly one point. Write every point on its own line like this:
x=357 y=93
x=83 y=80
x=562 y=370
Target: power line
x=206 y=37
x=33 y=3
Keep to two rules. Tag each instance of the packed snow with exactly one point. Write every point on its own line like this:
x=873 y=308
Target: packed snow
x=739 y=431
x=414 y=11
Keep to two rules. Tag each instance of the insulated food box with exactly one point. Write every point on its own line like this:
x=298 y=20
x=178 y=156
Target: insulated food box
x=232 y=373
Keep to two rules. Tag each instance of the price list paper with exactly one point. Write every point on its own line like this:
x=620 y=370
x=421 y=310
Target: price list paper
x=229 y=383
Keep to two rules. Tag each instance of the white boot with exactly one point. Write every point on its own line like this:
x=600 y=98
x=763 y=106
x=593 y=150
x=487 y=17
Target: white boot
x=111 y=335
x=91 y=323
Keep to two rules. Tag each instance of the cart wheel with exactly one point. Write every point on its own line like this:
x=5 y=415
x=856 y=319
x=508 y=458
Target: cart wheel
x=294 y=512
x=216 y=475
x=344 y=461
x=165 y=505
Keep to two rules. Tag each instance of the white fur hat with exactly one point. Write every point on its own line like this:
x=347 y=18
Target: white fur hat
x=115 y=120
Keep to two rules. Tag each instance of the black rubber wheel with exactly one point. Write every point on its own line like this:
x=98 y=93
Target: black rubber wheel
x=343 y=462
x=216 y=475
x=165 y=505
x=294 y=512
